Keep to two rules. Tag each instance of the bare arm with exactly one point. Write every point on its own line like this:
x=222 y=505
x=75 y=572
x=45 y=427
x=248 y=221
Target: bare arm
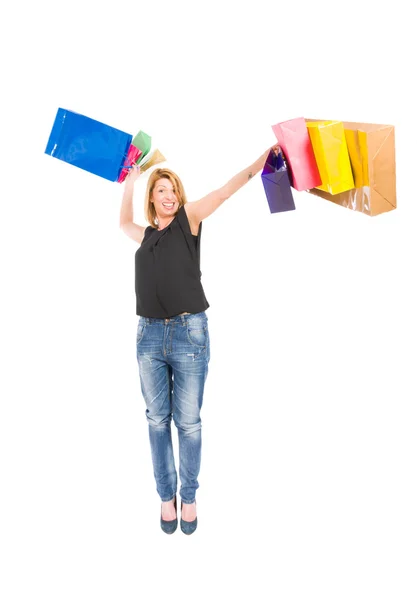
x=131 y=229
x=201 y=209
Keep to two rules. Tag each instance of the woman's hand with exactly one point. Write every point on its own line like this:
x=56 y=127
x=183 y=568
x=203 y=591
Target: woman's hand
x=134 y=173
x=275 y=149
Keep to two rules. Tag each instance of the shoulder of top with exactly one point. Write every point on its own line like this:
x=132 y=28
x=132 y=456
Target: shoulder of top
x=148 y=231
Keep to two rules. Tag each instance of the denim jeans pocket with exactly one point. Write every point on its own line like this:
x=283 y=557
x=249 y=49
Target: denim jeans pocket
x=140 y=331
x=197 y=332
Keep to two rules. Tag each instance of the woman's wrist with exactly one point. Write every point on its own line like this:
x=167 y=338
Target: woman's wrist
x=259 y=164
x=129 y=183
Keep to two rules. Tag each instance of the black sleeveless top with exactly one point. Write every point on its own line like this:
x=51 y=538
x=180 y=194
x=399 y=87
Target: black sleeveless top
x=167 y=271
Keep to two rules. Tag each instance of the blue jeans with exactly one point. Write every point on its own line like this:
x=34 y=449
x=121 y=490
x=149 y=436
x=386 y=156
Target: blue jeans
x=173 y=356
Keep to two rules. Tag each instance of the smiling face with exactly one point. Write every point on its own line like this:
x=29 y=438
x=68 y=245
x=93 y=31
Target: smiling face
x=164 y=198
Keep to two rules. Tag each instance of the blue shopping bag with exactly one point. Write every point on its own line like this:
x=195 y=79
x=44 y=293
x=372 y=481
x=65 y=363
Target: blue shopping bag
x=276 y=183
x=88 y=144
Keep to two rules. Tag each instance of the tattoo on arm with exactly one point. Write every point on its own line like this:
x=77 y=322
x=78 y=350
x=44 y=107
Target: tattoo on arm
x=250 y=175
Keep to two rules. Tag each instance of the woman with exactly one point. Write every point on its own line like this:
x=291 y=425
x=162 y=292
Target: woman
x=173 y=345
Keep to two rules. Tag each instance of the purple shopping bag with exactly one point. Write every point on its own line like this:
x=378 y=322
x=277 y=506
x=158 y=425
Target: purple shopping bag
x=277 y=183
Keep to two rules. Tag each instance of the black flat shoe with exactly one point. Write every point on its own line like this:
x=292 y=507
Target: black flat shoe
x=170 y=526
x=188 y=527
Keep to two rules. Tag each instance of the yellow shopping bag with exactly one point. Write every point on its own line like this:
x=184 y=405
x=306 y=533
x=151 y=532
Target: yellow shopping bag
x=372 y=154
x=332 y=157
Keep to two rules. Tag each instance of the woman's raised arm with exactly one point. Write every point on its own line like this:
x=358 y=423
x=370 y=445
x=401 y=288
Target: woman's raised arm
x=201 y=209
x=131 y=229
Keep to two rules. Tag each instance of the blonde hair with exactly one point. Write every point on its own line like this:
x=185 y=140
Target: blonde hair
x=150 y=212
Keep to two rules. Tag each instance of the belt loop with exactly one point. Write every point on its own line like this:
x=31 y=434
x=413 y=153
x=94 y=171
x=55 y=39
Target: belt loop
x=183 y=319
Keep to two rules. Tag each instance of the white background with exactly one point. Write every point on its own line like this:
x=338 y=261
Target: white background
x=308 y=477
